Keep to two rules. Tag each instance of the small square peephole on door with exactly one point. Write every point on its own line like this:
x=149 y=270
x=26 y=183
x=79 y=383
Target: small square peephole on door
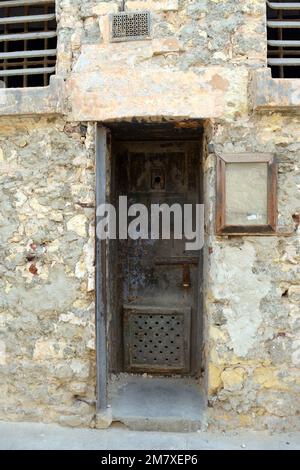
x=158 y=180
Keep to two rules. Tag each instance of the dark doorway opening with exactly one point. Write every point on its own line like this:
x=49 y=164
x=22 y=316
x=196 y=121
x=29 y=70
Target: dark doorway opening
x=153 y=288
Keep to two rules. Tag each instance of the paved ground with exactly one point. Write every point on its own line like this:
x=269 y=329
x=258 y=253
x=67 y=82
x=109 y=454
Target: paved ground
x=48 y=436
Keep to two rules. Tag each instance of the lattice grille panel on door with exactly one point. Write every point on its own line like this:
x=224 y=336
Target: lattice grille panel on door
x=157 y=341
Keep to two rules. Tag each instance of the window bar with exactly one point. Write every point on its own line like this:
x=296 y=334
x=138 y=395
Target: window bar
x=5 y=47
x=21 y=3
x=28 y=19
x=25 y=76
x=29 y=36
x=280 y=50
x=28 y=71
x=45 y=45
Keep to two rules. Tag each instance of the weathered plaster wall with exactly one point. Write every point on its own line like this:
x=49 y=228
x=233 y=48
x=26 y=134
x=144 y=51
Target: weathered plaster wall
x=47 y=350
x=252 y=287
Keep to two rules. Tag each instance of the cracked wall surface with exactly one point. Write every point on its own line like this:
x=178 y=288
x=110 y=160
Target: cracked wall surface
x=252 y=291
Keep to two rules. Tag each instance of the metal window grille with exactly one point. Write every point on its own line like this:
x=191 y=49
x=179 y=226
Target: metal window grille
x=283 y=22
x=28 y=40
x=130 y=26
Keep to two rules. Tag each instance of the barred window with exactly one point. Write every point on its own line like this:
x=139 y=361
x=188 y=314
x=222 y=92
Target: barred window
x=28 y=41
x=283 y=21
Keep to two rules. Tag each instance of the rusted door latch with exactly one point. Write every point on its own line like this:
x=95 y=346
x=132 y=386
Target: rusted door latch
x=185 y=263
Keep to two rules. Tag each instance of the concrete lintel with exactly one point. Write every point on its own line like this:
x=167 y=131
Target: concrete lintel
x=34 y=101
x=118 y=81
x=270 y=94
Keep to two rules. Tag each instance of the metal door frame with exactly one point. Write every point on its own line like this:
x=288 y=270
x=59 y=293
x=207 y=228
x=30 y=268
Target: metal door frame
x=103 y=188
x=101 y=257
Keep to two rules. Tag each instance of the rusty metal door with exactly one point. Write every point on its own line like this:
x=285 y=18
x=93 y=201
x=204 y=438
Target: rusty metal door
x=160 y=279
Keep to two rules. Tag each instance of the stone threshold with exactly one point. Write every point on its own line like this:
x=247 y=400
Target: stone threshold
x=167 y=404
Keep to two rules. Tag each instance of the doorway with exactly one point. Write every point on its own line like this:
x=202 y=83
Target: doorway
x=153 y=286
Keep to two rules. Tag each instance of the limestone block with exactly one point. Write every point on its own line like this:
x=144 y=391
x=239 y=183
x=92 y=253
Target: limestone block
x=104 y=419
x=48 y=349
x=78 y=388
x=267 y=377
x=72 y=319
x=63 y=372
x=80 y=369
x=75 y=421
x=233 y=378
x=152 y=5
x=56 y=216
x=91 y=284
x=104 y=8
x=77 y=224
x=165 y=45
x=296 y=353
x=214 y=379
x=294 y=294
x=2 y=353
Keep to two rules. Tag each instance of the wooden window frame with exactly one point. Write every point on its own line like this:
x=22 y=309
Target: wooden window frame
x=265 y=229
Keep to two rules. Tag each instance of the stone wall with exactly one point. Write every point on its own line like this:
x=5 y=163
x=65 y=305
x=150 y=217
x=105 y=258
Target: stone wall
x=203 y=54
x=252 y=291
x=47 y=346
x=187 y=33
x=195 y=66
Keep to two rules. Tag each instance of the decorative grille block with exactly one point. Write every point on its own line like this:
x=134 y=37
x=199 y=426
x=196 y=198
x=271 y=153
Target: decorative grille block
x=157 y=340
x=130 y=26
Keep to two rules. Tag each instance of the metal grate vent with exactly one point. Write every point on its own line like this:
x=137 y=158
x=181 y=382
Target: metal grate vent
x=157 y=342
x=130 y=26
x=283 y=21
x=27 y=42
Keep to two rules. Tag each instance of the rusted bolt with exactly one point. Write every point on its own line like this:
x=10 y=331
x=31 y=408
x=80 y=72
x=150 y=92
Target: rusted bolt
x=186 y=276
x=33 y=269
x=281 y=334
x=296 y=219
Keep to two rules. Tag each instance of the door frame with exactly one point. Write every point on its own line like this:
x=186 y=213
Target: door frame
x=103 y=175
x=101 y=260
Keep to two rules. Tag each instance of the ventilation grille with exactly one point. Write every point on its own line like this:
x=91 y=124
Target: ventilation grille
x=157 y=342
x=27 y=42
x=283 y=21
x=130 y=26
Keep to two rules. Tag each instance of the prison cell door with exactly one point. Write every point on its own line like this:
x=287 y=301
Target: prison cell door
x=160 y=278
